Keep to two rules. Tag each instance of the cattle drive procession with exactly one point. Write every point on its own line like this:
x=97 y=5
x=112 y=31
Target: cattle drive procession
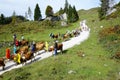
x=60 y=40
x=23 y=50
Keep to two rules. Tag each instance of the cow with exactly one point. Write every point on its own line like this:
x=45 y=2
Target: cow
x=23 y=49
x=29 y=55
x=24 y=57
x=76 y=32
x=23 y=42
x=2 y=63
x=59 y=47
x=40 y=46
x=66 y=36
x=54 y=36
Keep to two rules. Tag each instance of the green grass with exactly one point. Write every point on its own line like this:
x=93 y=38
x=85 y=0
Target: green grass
x=96 y=65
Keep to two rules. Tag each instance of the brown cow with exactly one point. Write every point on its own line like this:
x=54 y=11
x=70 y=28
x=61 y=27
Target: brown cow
x=54 y=36
x=23 y=43
x=60 y=47
x=23 y=49
x=40 y=46
x=29 y=55
x=66 y=37
x=2 y=63
x=24 y=57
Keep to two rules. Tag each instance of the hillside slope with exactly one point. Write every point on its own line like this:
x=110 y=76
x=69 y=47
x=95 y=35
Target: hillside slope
x=95 y=65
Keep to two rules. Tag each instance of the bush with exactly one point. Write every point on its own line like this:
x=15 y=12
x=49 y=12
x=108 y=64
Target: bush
x=50 y=24
x=110 y=39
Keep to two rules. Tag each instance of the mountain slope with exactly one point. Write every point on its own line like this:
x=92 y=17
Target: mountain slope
x=95 y=65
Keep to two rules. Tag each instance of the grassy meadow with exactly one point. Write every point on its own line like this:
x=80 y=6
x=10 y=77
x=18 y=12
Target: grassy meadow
x=95 y=65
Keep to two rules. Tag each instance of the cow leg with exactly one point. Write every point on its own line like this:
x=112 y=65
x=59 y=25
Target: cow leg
x=61 y=51
x=3 y=68
x=31 y=60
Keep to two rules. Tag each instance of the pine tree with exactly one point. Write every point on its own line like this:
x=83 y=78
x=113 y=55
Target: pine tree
x=26 y=15
x=49 y=11
x=66 y=6
x=37 y=13
x=70 y=14
x=75 y=13
x=103 y=9
x=2 y=19
x=29 y=12
x=14 y=19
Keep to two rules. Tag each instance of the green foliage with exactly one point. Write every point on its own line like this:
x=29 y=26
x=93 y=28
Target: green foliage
x=49 y=11
x=47 y=24
x=37 y=13
x=103 y=9
x=69 y=14
x=61 y=11
x=2 y=19
x=72 y=14
x=12 y=19
x=66 y=6
x=75 y=13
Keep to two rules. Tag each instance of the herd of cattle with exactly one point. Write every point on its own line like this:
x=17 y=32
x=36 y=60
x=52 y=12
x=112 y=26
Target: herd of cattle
x=29 y=55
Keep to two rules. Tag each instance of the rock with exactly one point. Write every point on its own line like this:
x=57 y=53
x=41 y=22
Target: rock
x=105 y=65
x=101 y=26
x=71 y=72
x=99 y=73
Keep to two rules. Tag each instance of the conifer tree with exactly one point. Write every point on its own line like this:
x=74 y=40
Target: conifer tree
x=75 y=13
x=37 y=13
x=103 y=9
x=29 y=12
x=26 y=15
x=49 y=11
x=2 y=19
x=66 y=6
x=70 y=14
x=14 y=19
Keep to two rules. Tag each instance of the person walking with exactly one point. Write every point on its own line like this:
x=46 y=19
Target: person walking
x=33 y=47
x=46 y=46
x=14 y=38
x=55 y=47
x=16 y=42
x=19 y=57
x=8 y=53
x=14 y=49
